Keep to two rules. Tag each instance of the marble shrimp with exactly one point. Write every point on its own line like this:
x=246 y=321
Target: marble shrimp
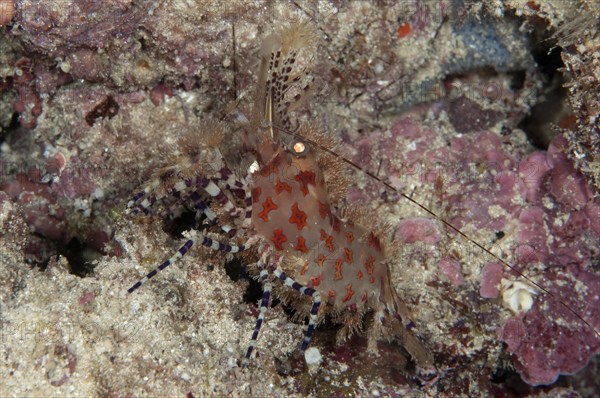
x=322 y=260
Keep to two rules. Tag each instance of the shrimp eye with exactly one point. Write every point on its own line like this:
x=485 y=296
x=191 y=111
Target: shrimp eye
x=299 y=148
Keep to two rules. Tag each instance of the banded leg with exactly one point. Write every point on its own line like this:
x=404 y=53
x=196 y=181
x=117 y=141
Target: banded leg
x=180 y=253
x=234 y=185
x=210 y=215
x=137 y=204
x=215 y=191
x=264 y=304
x=307 y=291
x=133 y=204
x=194 y=237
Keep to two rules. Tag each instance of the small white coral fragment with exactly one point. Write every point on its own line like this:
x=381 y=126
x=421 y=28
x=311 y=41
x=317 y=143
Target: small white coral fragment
x=313 y=359
x=517 y=295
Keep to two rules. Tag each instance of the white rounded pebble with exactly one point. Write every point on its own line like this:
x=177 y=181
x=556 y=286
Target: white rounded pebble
x=313 y=356
x=313 y=359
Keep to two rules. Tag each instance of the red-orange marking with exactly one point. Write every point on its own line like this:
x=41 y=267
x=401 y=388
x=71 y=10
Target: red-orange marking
x=329 y=243
x=267 y=205
x=320 y=260
x=373 y=241
x=359 y=275
x=279 y=238
x=369 y=264
x=323 y=234
x=332 y=293
x=371 y=280
x=349 y=237
x=298 y=217
x=348 y=255
x=301 y=246
x=324 y=210
x=282 y=186
x=349 y=293
x=404 y=30
x=365 y=296
x=316 y=281
x=256 y=194
x=305 y=178
x=328 y=239
x=304 y=269
x=338 y=269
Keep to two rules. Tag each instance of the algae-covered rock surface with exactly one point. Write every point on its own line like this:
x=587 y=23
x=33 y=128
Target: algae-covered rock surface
x=486 y=114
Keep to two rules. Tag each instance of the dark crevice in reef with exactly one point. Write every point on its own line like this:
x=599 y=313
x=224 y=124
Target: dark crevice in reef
x=12 y=127
x=236 y=270
x=178 y=225
x=80 y=257
x=553 y=108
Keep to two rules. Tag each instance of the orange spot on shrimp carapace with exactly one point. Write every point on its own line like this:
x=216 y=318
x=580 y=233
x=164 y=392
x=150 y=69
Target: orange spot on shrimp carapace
x=304 y=269
x=267 y=205
x=323 y=234
x=349 y=237
x=338 y=269
x=305 y=178
x=316 y=281
x=320 y=260
x=278 y=238
x=328 y=240
x=298 y=217
x=301 y=245
x=329 y=243
x=347 y=255
x=359 y=275
x=282 y=186
x=349 y=293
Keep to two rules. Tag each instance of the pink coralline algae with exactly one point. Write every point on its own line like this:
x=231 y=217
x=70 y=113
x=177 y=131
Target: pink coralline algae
x=550 y=340
x=418 y=230
x=491 y=275
x=452 y=271
x=492 y=187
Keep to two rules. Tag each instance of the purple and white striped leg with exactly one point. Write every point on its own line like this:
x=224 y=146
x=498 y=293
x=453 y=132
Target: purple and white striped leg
x=194 y=237
x=210 y=215
x=235 y=186
x=248 y=211
x=149 y=200
x=180 y=253
x=213 y=190
x=264 y=304
x=146 y=203
x=307 y=291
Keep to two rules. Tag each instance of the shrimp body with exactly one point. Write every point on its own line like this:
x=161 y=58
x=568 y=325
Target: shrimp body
x=321 y=262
